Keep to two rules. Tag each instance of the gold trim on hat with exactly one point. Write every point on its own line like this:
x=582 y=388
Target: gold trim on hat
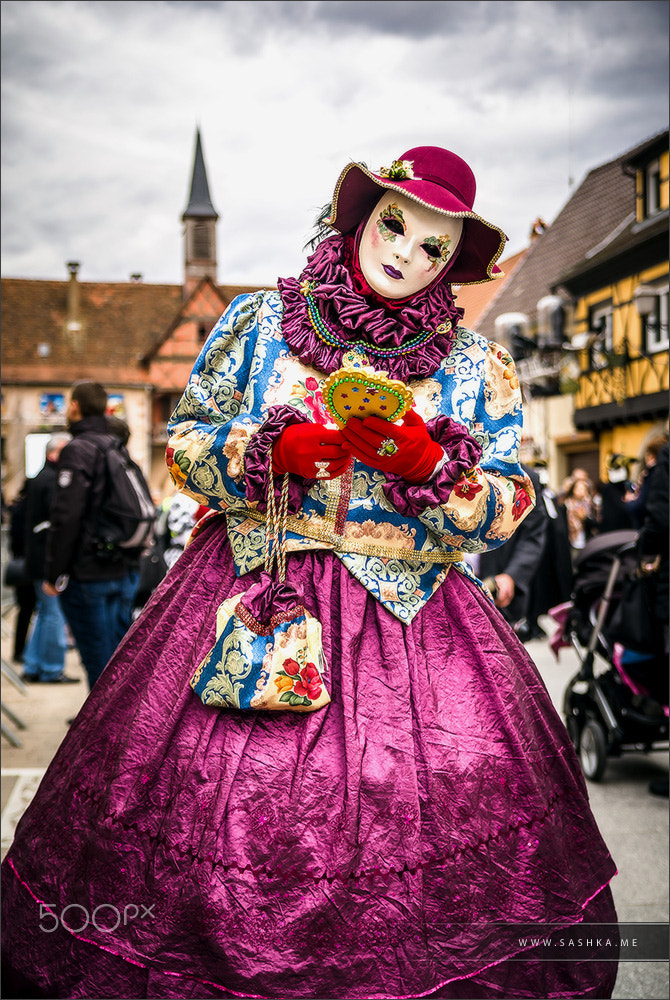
x=412 y=197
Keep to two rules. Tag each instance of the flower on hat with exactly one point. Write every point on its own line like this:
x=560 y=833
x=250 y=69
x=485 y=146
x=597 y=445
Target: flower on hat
x=400 y=170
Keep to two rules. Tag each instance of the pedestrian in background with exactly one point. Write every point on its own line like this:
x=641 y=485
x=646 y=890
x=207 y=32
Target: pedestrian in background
x=96 y=586
x=577 y=498
x=552 y=583
x=135 y=558
x=653 y=549
x=16 y=575
x=508 y=572
x=637 y=497
x=612 y=512
x=44 y=655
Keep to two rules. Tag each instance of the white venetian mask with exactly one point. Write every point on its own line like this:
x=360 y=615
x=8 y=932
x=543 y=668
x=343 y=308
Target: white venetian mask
x=404 y=246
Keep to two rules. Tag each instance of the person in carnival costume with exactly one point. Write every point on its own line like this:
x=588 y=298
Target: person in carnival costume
x=388 y=836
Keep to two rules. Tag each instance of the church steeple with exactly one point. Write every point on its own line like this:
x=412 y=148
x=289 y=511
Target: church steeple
x=200 y=218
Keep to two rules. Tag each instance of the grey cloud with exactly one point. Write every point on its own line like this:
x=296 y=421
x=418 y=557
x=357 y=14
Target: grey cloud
x=101 y=100
x=414 y=20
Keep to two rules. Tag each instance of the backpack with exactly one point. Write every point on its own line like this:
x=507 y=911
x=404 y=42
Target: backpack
x=126 y=518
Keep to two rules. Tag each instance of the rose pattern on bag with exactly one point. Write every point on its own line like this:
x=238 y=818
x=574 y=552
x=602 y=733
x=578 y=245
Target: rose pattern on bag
x=281 y=669
x=304 y=683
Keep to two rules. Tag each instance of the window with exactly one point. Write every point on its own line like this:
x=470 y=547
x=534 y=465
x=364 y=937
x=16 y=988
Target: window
x=600 y=323
x=205 y=327
x=202 y=244
x=655 y=324
x=652 y=189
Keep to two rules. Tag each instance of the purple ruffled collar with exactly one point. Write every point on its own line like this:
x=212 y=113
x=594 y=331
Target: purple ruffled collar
x=338 y=291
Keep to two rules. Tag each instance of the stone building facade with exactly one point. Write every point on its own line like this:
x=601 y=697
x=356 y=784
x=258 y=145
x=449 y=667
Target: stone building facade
x=139 y=340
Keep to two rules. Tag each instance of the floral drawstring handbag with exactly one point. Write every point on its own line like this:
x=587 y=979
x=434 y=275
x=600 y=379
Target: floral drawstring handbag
x=268 y=652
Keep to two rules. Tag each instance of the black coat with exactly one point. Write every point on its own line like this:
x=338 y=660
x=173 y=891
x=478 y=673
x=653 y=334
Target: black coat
x=552 y=583
x=40 y=494
x=655 y=532
x=520 y=556
x=17 y=522
x=614 y=514
x=80 y=489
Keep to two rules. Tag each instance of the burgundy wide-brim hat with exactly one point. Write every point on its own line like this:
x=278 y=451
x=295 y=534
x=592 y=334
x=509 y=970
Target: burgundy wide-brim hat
x=437 y=179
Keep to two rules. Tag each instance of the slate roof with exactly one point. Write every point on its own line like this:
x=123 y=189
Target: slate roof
x=199 y=202
x=631 y=236
x=597 y=213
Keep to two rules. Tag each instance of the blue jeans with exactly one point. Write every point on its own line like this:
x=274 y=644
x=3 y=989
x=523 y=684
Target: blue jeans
x=44 y=653
x=99 y=613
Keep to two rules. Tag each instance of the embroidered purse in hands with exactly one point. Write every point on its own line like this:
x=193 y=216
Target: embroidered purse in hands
x=268 y=652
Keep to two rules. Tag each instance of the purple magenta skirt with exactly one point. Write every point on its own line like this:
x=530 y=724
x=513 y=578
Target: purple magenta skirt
x=365 y=850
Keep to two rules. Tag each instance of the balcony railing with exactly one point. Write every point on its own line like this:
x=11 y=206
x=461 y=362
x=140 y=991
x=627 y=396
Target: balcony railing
x=623 y=378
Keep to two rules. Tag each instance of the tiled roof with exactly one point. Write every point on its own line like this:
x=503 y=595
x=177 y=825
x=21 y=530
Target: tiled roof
x=120 y=322
x=476 y=298
x=597 y=211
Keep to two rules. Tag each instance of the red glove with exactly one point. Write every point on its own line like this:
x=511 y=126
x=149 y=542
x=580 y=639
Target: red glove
x=405 y=449
x=301 y=446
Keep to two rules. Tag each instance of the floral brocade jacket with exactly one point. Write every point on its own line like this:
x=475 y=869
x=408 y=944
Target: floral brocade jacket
x=399 y=540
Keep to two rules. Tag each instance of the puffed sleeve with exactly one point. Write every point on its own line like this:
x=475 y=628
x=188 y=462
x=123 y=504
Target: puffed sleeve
x=477 y=507
x=216 y=414
x=220 y=433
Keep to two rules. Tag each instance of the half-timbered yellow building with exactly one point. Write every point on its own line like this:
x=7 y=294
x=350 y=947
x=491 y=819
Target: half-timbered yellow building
x=621 y=318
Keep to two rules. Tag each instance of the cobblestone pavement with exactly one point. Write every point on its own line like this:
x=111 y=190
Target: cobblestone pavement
x=633 y=822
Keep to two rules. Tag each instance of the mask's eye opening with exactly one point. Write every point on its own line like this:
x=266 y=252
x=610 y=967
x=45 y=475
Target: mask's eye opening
x=393 y=225
x=432 y=250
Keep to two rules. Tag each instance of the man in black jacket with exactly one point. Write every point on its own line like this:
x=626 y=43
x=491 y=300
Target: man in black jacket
x=23 y=587
x=509 y=570
x=613 y=515
x=96 y=586
x=654 y=561
x=652 y=547
x=44 y=655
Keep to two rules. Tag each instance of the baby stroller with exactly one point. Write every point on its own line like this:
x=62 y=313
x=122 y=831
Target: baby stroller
x=608 y=706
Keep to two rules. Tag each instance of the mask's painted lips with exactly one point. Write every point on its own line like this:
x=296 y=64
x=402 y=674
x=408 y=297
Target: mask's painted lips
x=391 y=271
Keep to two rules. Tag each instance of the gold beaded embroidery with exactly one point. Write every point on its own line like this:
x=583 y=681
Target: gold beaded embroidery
x=263 y=628
x=339 y=543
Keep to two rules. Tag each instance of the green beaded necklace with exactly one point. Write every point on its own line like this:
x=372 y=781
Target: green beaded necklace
x=325 y=334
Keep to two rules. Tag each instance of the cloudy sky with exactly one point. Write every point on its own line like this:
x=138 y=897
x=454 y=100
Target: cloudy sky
x=101 y=101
